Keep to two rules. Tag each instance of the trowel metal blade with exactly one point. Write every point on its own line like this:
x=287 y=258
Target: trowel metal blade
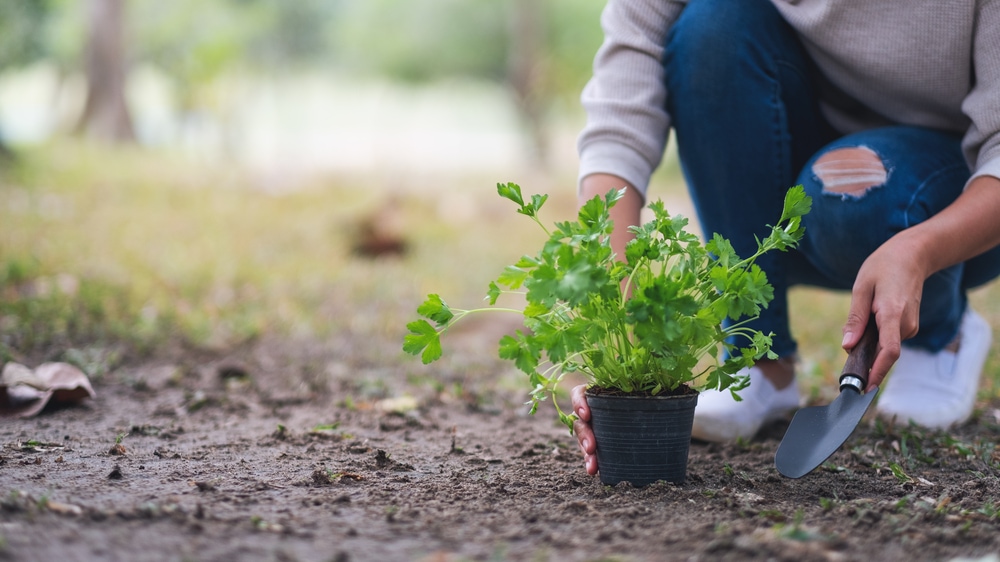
x=817 y=432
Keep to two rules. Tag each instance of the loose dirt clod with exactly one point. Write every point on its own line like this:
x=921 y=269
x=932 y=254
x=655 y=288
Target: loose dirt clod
x=204 y=486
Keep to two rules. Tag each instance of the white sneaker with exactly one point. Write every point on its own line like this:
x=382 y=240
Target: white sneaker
x=938 y=390
x=719 y=418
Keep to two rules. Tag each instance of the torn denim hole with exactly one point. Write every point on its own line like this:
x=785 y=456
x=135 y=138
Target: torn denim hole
x=850 y=172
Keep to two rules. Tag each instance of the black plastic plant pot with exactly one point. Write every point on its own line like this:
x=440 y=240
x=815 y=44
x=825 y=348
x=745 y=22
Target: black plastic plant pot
x=642 y=439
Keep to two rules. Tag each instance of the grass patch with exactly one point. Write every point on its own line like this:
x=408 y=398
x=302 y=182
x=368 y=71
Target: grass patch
x=106 y=247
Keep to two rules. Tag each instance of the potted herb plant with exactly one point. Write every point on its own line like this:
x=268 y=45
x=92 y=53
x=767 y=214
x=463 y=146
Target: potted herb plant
x=646 y=329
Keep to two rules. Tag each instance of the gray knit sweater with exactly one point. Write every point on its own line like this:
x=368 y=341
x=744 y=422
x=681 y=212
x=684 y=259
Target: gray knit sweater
x=933 y=63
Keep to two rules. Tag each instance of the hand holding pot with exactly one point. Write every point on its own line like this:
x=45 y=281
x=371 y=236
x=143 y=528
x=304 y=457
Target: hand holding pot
x=581 y=427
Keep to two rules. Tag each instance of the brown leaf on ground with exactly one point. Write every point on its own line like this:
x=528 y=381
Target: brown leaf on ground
x=25 y=392
x=382 y=232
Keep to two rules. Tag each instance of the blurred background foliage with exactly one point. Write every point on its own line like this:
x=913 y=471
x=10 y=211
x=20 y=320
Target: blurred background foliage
x=538 y=51
x=21 y=37
x=210 y=171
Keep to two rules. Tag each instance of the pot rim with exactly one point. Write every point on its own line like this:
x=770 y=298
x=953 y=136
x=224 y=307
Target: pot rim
x=691 y=392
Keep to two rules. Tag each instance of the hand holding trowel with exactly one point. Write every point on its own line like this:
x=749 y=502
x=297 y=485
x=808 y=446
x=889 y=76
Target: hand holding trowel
x=818 y=431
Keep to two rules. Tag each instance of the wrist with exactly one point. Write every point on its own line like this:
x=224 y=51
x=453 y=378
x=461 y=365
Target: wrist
x=918 y=245
x=624 y=214
x=599 y=184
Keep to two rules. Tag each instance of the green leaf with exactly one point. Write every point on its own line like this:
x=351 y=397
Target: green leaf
x=520 y=351
x=596 y=358
x=796 y=204
x=614 y=196
x=422 y=340
x=641 y=248
x=580 y=282
x=493 y=293
x=543 y=285
x=537 y=201
x=527 y=263
x=435 y=309
x=534 y=309
x=567 y=420
x=593 y=212
x=512 y=276
x=511 y=191
x=720 y=277
x=562 y=341
x=659 y=210
x=723 y=250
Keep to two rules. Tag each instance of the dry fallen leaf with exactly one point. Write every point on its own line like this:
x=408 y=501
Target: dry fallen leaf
x=25 y=392
x=64 y=508
x=39 y=447
x=382 y=232
x=398 y=405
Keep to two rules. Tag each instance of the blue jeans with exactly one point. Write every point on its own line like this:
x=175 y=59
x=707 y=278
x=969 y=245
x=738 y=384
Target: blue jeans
x=743 y=97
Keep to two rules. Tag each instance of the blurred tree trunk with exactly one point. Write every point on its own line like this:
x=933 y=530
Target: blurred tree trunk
x=6 y=154
x=105 y=115
x=525 y=68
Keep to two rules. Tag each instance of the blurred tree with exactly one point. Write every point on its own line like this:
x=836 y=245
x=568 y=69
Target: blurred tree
x=572 y=36
x=297 y=33
x=424 y=40
x=106 y=115
x=540 y=49
x=198 y=42
x=192 y=41
x=526 y=68
x=21 y=38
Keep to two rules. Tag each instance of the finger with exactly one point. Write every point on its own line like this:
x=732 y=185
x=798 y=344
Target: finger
x=579 y=397
x=909 y=324
x=883 y=362
x=585 y=437
x=857 y=316
x=888 y=351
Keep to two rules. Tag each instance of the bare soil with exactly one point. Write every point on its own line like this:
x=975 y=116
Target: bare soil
x=344 y=451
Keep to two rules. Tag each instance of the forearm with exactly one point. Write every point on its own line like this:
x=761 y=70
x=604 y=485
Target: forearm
x=625 y=100
x=963 y=230
x=626 y=211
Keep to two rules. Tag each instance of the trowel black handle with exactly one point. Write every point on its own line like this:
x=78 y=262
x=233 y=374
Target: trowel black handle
x=860 y=359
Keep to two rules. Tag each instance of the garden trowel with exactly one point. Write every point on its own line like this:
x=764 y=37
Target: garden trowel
x=817 y=432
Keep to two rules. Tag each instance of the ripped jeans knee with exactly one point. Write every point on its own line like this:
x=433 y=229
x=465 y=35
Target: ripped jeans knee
x=850 y=171
x=868 y=186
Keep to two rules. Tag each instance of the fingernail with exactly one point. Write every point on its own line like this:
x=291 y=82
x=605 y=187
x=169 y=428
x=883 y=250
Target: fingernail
x=579 y=412
x=586 y=444
x=847 y=338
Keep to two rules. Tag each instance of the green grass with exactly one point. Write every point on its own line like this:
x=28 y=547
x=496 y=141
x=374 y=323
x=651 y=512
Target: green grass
x=104 y=246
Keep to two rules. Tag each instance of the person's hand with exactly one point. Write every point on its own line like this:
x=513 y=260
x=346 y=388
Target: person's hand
x=581 y=427
x=889 y=285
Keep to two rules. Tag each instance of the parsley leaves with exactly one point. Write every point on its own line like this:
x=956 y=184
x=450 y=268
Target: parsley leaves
x=668 y=333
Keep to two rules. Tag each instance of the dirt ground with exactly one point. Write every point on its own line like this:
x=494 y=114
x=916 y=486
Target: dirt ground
x=344 y=451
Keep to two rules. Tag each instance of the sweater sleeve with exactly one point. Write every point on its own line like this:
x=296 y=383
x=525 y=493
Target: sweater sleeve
x=982 y=141
x=625 y=100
